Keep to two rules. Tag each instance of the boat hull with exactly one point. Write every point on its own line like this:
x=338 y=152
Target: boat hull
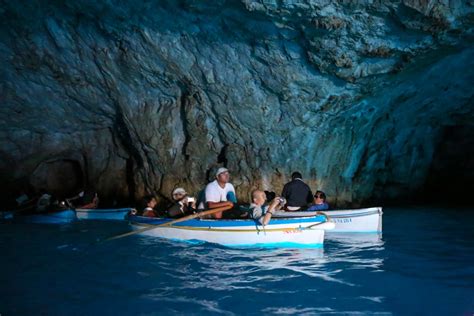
x=102 y=214
x=60 y=217
x=241 y=233
x=364 y=220
x=368 y=220
x=6 y=216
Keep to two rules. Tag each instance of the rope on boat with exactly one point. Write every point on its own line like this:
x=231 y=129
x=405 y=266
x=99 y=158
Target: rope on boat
x=314 y=225
x=357 y=214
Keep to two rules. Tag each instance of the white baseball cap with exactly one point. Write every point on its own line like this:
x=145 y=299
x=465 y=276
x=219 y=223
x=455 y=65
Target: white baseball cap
x=179 y=191
x=221 y=170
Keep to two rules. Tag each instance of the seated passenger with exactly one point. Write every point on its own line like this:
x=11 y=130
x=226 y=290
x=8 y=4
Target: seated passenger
x=320 y=203
x=150 y=204
x=297 y=193
x=258 y=206
x=25 y=203
x=22 y=199
x=261 y=210
x=183 y=204
x=44 y=202
x=220 y=193
x=87 y=198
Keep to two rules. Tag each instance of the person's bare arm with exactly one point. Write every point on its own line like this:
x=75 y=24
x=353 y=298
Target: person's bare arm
x=227 y=204
x=274 y=206
x=212 y=205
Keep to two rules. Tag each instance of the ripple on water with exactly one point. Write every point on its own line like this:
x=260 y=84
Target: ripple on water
x=61 y=270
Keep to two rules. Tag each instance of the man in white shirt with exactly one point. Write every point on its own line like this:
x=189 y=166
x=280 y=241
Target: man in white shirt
x=220 y=193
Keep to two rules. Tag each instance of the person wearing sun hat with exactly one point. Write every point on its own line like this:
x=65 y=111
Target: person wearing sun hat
x=182 y=204
x=220 y=192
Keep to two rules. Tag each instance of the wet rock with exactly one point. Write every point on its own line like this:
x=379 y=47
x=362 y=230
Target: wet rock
x=143 y=97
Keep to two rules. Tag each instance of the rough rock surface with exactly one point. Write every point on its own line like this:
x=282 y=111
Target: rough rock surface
x=135 y=97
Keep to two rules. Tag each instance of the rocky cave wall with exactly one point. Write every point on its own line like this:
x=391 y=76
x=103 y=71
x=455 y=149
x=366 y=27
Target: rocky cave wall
x=133 y=98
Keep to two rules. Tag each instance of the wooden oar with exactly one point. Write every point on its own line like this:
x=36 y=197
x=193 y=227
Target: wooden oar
x=182 y=219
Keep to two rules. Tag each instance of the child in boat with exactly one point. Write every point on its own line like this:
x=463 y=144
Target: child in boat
x=182 y=204
x=319 y=202
x=150 y=203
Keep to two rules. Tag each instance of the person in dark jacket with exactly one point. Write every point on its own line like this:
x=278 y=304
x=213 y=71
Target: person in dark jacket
x=297 y=193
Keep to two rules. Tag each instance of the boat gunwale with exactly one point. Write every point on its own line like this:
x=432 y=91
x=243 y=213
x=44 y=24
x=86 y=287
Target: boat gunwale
x=102 y=211
x=257 y=229
x=368 y=213
x=228 y=222
x=48 y=213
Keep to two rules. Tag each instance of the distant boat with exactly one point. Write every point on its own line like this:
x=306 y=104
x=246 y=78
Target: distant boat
x=364 y=220
x=67 y=215
x=6 y=216
x=287 y=232
x=50 y=217
x=102 y=214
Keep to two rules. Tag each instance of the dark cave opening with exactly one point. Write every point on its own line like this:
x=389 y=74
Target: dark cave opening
x=450 y=179
x=221 y=158
x=63 y=177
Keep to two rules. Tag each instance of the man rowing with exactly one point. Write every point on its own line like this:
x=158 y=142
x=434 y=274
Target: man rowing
x=220 y=192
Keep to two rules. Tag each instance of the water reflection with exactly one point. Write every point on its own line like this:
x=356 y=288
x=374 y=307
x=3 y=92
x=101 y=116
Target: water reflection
x=221 y=268
x=357 y=250
x=357 y=240
x=422 y=261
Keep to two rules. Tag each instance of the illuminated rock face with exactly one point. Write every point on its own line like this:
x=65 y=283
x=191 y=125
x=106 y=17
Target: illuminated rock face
x=142 y=97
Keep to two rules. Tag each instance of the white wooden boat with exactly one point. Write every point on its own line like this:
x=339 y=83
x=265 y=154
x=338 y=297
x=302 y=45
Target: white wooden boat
x=364 y=220
x=102 y=214
x=288 y=232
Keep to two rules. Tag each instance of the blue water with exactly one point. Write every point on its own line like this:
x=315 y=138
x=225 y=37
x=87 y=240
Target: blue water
x=422 y=265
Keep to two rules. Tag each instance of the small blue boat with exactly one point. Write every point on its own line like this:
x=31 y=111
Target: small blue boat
x=52 y=217
x=6 y=216
x=116 y=214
